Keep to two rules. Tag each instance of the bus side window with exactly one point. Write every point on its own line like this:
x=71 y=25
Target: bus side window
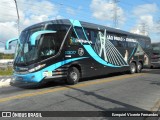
x=121 y=44
x=148 y=44
x=142 y=42
x=87 y=32
x=72 y=40
x=80 y=33
x=93 y=36
x=114 y=42
x=131 y=44
x=50 y=47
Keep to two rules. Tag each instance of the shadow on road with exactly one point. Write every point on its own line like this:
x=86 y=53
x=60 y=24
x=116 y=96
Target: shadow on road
x=151 y=71
x=126 y=107
x=155 y=83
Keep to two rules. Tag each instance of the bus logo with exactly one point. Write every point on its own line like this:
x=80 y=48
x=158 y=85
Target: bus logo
x=70 y=52
x=80 y=51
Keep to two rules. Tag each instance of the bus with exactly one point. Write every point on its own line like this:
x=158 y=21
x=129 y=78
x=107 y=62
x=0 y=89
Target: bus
x=155 y=58
x=74 y=49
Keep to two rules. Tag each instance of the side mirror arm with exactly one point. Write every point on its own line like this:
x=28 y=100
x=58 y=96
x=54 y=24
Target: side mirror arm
x=7 y=46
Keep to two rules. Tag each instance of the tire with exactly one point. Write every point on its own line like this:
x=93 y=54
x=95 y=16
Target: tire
x=139 y=67
x=151 y=67
x=132 y=68
x=73 y=76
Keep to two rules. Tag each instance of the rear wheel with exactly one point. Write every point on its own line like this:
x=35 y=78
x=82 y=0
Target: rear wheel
x=151 y=67
x=73 y=76
x=132 y=68
x=139 y=67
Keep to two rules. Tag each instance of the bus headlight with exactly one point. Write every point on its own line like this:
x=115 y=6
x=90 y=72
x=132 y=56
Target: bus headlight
x=36 y=68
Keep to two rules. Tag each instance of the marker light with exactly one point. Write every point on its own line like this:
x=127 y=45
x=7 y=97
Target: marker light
x=37 y=68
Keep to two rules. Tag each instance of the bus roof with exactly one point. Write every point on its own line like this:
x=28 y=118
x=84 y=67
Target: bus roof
x=155 y=43
x=88 y=25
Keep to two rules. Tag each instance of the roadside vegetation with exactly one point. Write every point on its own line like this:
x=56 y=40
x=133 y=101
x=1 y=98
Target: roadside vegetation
x=6 y=71
x=6 y=56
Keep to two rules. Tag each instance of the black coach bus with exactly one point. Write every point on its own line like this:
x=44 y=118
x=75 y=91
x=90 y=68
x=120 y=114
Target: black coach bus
x=155 y=57
x=74 y=49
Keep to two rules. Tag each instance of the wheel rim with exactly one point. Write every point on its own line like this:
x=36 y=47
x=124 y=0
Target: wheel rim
x=133 y=69
x=139 y=67
x=74 y=76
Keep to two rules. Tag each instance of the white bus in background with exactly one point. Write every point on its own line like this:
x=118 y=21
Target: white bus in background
x=6 y=61
x=155 y=58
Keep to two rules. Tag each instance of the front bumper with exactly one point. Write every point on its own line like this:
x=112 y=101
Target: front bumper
x=36 y=77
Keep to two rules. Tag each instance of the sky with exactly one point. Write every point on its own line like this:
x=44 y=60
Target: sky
x=132 y=15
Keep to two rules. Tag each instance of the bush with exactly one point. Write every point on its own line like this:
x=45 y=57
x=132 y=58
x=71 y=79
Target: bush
x=6 y=71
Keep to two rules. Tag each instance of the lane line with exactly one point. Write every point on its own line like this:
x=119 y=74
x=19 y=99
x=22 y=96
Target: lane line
x=8 y=80
x=2 y=80
x=74 y=86
x=156 y=106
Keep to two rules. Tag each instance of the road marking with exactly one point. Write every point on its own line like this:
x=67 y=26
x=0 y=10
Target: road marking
x=2 y=80
x=74 y=86
x=8 y=80
x=156 y=106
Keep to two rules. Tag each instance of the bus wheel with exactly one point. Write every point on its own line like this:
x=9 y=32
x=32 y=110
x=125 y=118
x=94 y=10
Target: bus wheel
x=139 y=67
x=151 y=67
x=132 y=68
x=73 y=76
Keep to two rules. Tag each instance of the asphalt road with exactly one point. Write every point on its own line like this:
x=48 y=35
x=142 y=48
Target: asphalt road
x=137 y=92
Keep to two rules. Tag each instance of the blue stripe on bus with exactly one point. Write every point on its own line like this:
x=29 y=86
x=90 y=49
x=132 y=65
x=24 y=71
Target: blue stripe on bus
x=9 y=41
x=36 y=34
x=59 y=64
x=89 y=48
x=38 y=76
x=75 y=23
x=94 y=55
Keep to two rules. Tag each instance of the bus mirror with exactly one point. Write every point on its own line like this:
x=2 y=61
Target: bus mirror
x=34 y=36
x=8 y=46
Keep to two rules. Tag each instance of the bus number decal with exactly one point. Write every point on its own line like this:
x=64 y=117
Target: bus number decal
x=70 y=52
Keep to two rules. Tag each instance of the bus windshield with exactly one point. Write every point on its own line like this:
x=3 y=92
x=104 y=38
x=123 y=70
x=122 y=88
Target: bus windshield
x=156 y=48
x=46 y=45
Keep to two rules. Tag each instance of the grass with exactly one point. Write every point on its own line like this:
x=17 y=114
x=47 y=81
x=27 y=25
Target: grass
x=6 y=71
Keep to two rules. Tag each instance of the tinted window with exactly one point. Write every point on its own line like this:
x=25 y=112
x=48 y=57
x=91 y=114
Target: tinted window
x=156 y=47
x=93 y=36
x=148 y=44
x=131 y=44
x=142 y=42
x=49 y=46
x=73 y=39
x=80 y=33
x=87 y=33
x=117 y=40
x=114 y=42
x=121 y=44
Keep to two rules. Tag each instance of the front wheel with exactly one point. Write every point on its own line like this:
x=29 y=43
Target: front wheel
x=139 y=67
x=73 y=76
x=132 y=68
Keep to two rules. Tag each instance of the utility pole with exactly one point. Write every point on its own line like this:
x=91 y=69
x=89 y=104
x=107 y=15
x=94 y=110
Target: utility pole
x=158 y=26
x=18 y=20
x=144 y=28
x=115 y=15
